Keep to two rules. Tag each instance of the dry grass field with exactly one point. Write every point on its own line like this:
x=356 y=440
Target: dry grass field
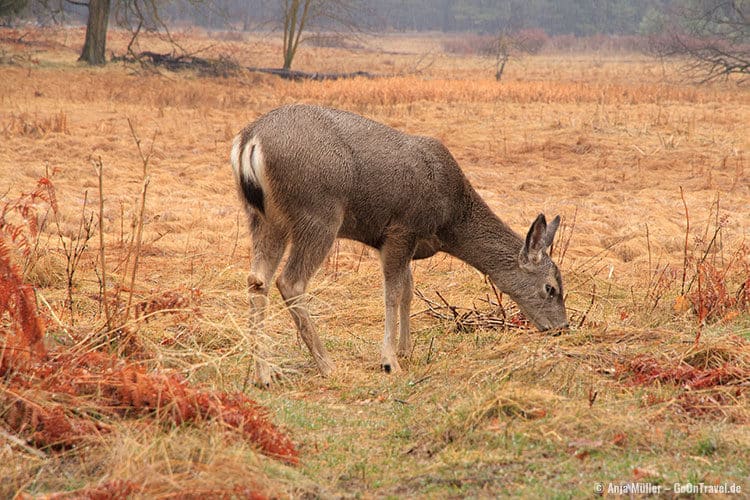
x=648 y=172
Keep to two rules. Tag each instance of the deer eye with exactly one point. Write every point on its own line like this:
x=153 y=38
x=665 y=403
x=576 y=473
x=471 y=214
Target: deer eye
x=550 y=290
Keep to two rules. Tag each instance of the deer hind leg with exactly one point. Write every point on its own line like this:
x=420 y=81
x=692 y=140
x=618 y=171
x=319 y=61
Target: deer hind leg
x=268 y=244
x=404 y=337
x=310 y=245
x=395 y=256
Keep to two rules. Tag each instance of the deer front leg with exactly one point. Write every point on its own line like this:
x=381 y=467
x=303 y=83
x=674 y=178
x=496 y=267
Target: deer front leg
x=388 y=360
x=395 y=257
x=404 y=338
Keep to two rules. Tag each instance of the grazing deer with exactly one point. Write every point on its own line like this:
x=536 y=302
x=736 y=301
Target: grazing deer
x=308 y=174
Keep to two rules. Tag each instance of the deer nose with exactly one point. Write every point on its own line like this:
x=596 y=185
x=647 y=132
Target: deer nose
x=560 y=329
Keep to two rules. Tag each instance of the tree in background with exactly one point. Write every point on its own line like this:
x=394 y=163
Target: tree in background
x=334 y=15
x=714 y=35
x=296 y=16
x=96 y=13
x=506 y=46
x=133 y=15
x=95 y=45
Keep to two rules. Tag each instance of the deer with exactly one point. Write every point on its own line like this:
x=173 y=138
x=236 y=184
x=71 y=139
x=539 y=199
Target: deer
x=308 y=174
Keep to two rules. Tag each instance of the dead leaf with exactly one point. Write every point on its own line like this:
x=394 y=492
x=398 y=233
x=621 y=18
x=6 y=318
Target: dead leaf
x=619 y=439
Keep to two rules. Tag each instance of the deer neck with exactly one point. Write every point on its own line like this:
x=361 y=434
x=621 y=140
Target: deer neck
x=485 y=242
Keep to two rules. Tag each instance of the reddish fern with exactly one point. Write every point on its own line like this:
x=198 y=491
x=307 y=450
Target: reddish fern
x=646 y=370
x=128 y=389
x=25 y=211
x=113 y=386
x=17 y=301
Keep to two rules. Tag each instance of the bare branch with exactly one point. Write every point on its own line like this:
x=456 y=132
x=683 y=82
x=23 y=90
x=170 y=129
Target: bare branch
x=714 y=35
x=298 y=16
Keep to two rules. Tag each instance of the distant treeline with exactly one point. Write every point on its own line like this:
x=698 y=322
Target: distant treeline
x=554 y=17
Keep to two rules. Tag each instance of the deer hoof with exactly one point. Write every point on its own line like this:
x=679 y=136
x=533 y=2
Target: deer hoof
x=263 y=385
x=390 y=366
x=325 y=366
x=265 y=375
x=263 y=381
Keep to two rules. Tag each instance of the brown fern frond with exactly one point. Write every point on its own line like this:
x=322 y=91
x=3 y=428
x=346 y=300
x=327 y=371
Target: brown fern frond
x=45 y=183
x=123 y=389
x=42 y=389
x=24 y=341
x=20 y=218
x=129 y=388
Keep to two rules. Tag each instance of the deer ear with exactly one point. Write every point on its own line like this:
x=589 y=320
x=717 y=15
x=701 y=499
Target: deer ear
x=536 y=241
x=549 y=236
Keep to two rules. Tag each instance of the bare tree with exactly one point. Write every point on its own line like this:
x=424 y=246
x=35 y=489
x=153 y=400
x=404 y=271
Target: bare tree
x=296 y=16
x=503 y=47
x=301 y=15
x=144 y=15
x=96 y=32
x=506 y=46
x=135 y=15
x=714 y=35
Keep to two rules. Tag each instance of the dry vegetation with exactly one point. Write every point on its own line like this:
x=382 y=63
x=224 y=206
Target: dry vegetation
x=648 y=174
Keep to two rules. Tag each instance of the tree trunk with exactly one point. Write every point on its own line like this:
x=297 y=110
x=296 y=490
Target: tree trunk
x=96 y=33
x=295 y=18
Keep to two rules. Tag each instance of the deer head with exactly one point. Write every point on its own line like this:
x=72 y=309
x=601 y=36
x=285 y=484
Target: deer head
x=536 y=286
